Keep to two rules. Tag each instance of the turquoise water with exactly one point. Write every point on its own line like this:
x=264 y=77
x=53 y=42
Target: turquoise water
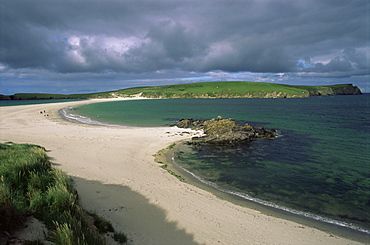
x=31 y=102
x=320 y=164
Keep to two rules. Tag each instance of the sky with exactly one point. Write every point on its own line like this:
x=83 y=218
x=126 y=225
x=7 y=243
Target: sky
x=89 y=46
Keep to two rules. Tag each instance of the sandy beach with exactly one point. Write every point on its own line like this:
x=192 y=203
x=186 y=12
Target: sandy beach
x=116 y=175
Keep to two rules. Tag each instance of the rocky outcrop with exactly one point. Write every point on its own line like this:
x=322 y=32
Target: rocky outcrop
x=225 y=131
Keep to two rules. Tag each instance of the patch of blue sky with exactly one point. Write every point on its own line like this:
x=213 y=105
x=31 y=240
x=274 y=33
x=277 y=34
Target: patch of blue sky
x=193 y=78
x=61 y=38
x=301 y=65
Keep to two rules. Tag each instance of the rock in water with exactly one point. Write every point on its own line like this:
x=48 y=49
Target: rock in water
x=226 y=131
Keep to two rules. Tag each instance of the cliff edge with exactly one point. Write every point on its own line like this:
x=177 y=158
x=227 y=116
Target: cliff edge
x=341 y=89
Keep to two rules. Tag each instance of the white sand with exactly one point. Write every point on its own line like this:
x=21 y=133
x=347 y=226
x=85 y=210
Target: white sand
x=116 y=176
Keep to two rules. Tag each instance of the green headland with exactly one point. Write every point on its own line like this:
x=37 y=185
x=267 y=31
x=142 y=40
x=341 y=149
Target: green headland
x=238 y=89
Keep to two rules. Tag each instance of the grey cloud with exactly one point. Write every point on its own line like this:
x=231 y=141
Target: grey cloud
x=178 y=42
x=144 y=37
x=350 y=62
x=255 y=31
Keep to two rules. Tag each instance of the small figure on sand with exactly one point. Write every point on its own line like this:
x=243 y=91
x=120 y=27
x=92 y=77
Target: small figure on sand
x=45 y=115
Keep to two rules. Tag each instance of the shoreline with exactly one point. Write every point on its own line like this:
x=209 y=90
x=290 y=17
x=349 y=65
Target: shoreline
x=167 y=157
x=116 y=176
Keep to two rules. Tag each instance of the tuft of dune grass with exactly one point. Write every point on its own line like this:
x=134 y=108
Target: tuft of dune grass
x=30 y=185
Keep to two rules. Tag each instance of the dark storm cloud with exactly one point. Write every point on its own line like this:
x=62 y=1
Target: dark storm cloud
x=124 y=37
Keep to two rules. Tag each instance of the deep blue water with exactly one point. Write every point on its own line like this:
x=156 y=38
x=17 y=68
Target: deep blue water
x=319 y=166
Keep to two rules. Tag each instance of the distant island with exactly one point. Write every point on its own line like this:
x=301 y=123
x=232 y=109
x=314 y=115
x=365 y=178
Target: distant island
x=238 y=89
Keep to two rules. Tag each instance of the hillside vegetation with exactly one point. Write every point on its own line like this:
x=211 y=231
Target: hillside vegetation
x=237 y=89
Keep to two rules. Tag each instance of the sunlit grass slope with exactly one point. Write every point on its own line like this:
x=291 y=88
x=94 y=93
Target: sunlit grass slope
x=218 y=90
x=238 y=89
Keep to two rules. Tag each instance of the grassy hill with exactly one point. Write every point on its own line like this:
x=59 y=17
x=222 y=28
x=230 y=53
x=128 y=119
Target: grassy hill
x=218 y=90
x=237 y=89
x=41 y=96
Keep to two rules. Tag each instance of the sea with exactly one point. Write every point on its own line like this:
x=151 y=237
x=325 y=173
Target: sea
x=33 y=102
x=318 y=167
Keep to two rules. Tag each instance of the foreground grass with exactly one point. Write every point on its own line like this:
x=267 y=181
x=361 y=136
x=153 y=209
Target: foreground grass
x=30 y=185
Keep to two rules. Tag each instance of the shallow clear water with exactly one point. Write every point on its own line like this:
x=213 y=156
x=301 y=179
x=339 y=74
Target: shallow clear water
x=319 y=165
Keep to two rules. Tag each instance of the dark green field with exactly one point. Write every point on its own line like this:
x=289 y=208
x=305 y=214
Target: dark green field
x=207 y=90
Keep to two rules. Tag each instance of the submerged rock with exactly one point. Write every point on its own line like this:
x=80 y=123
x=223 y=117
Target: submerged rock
x=226 y=131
